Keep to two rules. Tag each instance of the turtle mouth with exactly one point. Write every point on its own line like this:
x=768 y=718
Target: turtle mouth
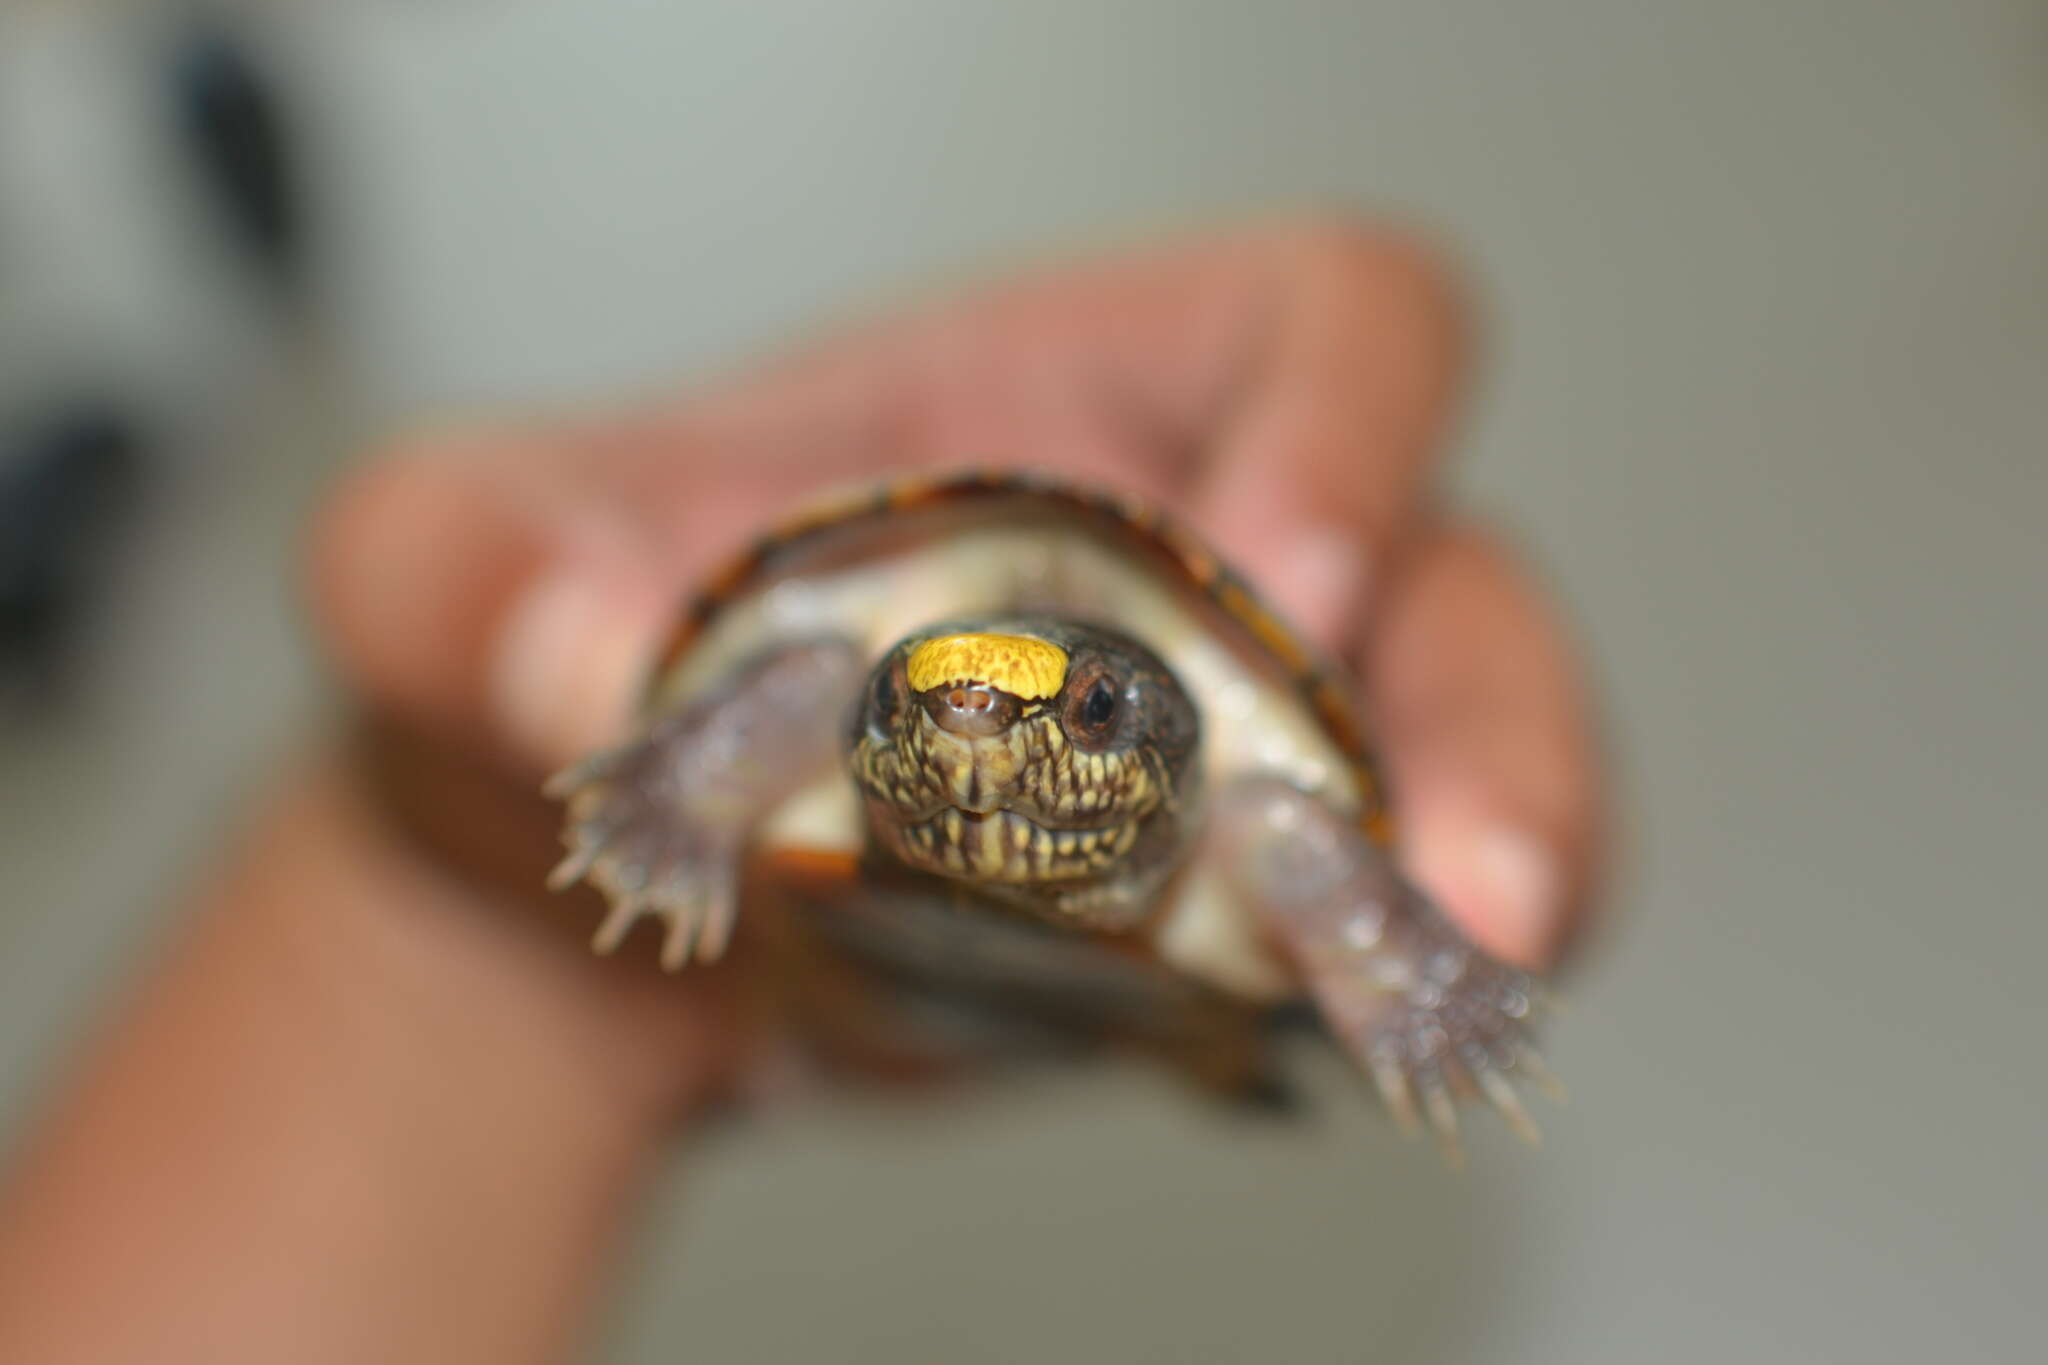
x=1006 y=846
x=1018 y=809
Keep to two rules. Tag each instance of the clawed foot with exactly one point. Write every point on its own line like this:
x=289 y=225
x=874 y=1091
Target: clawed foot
x=1445 y=1027
x=627 y=836
x=1431 y=1018
x=658 y=824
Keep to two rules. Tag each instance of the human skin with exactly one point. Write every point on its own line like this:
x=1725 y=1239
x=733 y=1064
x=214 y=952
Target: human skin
x=370 y=1105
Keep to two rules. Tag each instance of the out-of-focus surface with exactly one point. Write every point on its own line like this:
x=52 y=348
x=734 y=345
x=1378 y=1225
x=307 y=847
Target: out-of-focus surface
x=1767 y=308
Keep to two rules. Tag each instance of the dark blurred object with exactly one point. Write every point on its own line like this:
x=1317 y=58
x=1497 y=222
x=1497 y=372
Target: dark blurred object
x=233 y=120
x=64 y=480
x=71 y=462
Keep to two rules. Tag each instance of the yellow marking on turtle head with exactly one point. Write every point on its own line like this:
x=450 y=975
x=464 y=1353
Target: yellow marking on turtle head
x=1021 y=665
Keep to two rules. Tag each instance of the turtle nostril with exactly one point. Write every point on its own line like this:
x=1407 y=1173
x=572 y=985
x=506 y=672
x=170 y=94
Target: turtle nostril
x=972 y=710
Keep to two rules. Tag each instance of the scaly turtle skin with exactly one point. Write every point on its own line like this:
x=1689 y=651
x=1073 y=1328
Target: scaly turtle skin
x=1030 y=759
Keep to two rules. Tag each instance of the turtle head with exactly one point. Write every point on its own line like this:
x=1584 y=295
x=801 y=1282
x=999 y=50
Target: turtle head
x=1042 y=760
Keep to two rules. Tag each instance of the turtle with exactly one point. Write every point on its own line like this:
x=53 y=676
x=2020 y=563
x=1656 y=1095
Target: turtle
x=1023 y=759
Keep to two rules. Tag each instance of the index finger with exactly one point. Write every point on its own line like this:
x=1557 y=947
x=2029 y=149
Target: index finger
x=1325 y=458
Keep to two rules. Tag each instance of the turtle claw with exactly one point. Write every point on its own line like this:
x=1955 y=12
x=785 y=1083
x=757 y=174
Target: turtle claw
x=653 y=854
x=676 y=944
x=573 y=868
x=618 y=922
x=1500 y=1093
x=1436 y=1041
x=1398 y=1092
x=700 y=924
x=700 y=920
x=699 y=915
x=1391 y=1077
x=1443 y=1121
x=580 y=773
x=1530 y=1063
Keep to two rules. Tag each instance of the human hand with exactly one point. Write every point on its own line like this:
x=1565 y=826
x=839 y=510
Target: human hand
x=362 y=1109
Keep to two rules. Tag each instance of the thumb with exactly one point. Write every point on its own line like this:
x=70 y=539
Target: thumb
x=501 y=591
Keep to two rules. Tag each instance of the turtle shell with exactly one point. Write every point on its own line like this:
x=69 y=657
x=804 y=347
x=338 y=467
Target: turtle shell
x=835 y=531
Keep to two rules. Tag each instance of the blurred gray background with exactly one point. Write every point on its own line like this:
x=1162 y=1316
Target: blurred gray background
x=1765 y=288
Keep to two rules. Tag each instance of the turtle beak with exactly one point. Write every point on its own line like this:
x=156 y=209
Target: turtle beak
x=972 y=710
x=972 y=747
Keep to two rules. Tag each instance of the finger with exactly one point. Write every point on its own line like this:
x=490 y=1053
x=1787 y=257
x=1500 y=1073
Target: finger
x=1485 y=729
x=499 y=590
x=1287 y=386
x=1320 y=463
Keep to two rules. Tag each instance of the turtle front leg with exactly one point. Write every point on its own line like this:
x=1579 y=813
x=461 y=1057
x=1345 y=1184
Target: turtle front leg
x=659 y=824
x=1421 y=1009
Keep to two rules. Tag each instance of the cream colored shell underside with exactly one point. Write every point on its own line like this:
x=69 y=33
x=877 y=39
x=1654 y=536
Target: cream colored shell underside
x=1252 y=719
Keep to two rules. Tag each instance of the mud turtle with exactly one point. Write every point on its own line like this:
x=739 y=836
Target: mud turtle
x=1023 y=758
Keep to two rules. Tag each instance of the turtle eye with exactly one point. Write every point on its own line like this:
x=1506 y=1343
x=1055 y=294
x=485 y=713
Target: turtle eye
x=1098 y=707
x=885 y=700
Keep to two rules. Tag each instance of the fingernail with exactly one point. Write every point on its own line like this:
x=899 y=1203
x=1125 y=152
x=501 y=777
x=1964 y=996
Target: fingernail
x=569 y=651
x=1503 y=884
x=1319 y=575
x=1515 y=887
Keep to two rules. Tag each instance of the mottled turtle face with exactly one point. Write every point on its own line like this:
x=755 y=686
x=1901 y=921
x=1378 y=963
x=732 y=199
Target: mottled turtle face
x=1035 y=757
